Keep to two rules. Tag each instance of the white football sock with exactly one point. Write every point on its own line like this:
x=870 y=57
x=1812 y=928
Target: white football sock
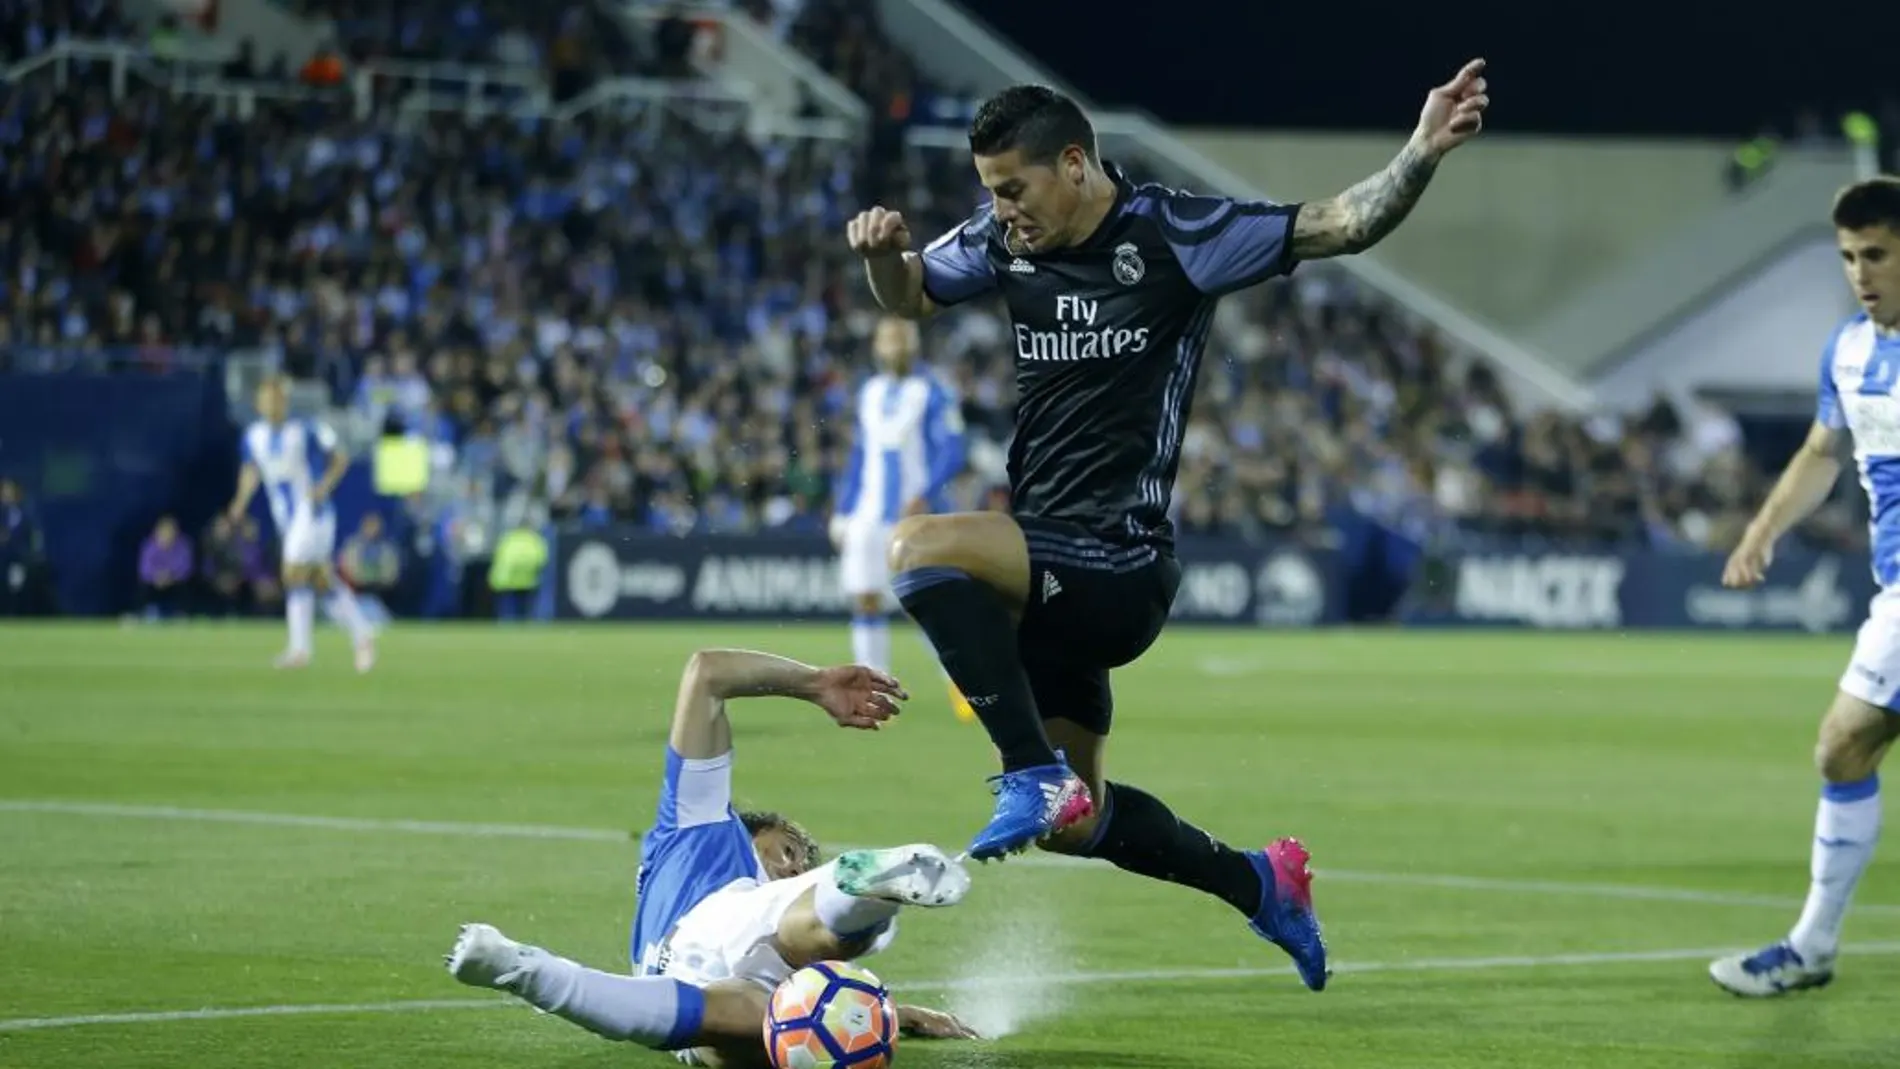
x=846 y=914
x=871 y=641
x=348 y=613
x=1845 y=830
x=654 y=1011
x=300 y=610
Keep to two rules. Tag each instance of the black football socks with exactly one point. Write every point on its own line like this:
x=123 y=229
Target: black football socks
x=1139 y=833
x=976 y=640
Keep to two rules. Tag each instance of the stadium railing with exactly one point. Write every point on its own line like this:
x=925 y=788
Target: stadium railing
x=198 y=77
x=472 y=90
x=741 y=53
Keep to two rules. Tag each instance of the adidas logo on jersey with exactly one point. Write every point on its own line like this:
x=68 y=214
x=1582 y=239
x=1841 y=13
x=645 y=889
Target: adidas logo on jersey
x=1021 y=266
x=1050 y=588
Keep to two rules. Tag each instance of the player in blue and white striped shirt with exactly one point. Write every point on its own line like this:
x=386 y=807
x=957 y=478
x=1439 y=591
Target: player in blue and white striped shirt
x=1859 y=395
x=730 y=904
x=297 y=463
x=908 y=445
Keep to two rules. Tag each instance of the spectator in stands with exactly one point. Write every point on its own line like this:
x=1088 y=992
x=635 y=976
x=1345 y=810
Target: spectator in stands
x=324 y=68
x=236 y=571
x=673 y=43
x=28 y=29
x=243 y=65
x=165 y=570
x=521 y=555
x=371 y=562
x=20 y=548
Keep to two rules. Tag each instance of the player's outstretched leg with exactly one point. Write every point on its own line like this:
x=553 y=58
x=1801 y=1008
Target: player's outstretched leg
x=1854 y=737
x=1137 y=832
x=959 y=576
x=654 y=1011
x=851 y=913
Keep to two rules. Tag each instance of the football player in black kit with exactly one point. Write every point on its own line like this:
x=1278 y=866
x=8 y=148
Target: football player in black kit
x=1111 y=289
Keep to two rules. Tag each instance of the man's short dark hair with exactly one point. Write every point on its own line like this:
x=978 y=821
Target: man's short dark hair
x=1034 y=119
x=758 y=820
x=1874 y=202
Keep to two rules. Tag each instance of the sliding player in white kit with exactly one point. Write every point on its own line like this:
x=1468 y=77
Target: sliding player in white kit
x=908 y=445
x=1860 y=394
x=298 y=463
x=730 y=904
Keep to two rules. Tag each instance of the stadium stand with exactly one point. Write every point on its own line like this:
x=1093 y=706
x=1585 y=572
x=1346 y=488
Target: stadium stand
x=642 y=318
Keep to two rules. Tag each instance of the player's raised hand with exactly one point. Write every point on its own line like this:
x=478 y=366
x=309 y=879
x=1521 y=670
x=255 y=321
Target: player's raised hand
x=1748 y=565
x=878 y=232
x=1454 y=112
x=856 y=696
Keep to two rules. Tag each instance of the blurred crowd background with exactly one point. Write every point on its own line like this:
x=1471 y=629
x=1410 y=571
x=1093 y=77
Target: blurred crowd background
x=636 y=317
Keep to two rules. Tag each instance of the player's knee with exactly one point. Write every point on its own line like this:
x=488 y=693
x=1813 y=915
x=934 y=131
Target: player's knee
x=1841 y=757
x=916 y=542
x=1851 y=742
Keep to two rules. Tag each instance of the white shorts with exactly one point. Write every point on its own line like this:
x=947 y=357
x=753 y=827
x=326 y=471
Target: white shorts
x=1873 y=675
x=310 y=536
x=729 y=935
x=864 y=558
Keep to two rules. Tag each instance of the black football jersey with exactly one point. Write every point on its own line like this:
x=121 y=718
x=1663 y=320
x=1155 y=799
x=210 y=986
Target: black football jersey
x=1108 y=337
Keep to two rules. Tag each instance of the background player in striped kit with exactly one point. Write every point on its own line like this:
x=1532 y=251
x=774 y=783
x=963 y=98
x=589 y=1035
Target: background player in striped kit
x=908 y=443
x=297 y=463
x=1859 y=398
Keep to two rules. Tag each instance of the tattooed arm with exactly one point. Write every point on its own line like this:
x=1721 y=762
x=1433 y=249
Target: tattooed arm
x=1357 y=219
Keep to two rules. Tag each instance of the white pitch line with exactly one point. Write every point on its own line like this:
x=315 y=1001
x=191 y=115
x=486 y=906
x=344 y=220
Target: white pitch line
x=1630 y=892
x=299 y=820
x=28 y=1024
x=1503 y=885
x=1241 y=665
x=1579 y=960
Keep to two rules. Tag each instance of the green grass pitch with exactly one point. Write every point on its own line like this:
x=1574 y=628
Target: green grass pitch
x=1527 y=847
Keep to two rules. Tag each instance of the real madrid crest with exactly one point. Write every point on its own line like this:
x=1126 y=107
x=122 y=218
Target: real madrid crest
x=1128 y=266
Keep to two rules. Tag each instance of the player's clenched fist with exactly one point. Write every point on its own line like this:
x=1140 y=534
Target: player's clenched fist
x=878 y=232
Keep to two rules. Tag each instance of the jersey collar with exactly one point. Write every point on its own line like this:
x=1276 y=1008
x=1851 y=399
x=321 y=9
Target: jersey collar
x=1123 y=187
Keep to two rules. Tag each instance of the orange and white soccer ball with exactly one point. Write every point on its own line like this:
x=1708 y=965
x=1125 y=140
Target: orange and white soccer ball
x=832 y=1015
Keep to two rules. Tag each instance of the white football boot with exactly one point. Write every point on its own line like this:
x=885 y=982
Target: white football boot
x=915 y=875
x=1773 y=970
x=483 y=957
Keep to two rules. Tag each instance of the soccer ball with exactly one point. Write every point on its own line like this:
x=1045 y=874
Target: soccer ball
x=831 y=1015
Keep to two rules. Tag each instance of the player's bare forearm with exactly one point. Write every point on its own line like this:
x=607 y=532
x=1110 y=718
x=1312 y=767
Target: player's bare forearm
x=247 y=486
x=854 y=696
x=1806 y=482
x=1362 y=216
x=339 y=466
x=897 y=282
x=748 y=674
x=700 y=727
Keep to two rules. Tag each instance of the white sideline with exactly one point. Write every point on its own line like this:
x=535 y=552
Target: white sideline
x=1631 y=957
x=1626 y=892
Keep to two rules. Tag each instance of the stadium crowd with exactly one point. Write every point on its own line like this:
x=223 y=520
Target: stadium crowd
x=632 y=318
